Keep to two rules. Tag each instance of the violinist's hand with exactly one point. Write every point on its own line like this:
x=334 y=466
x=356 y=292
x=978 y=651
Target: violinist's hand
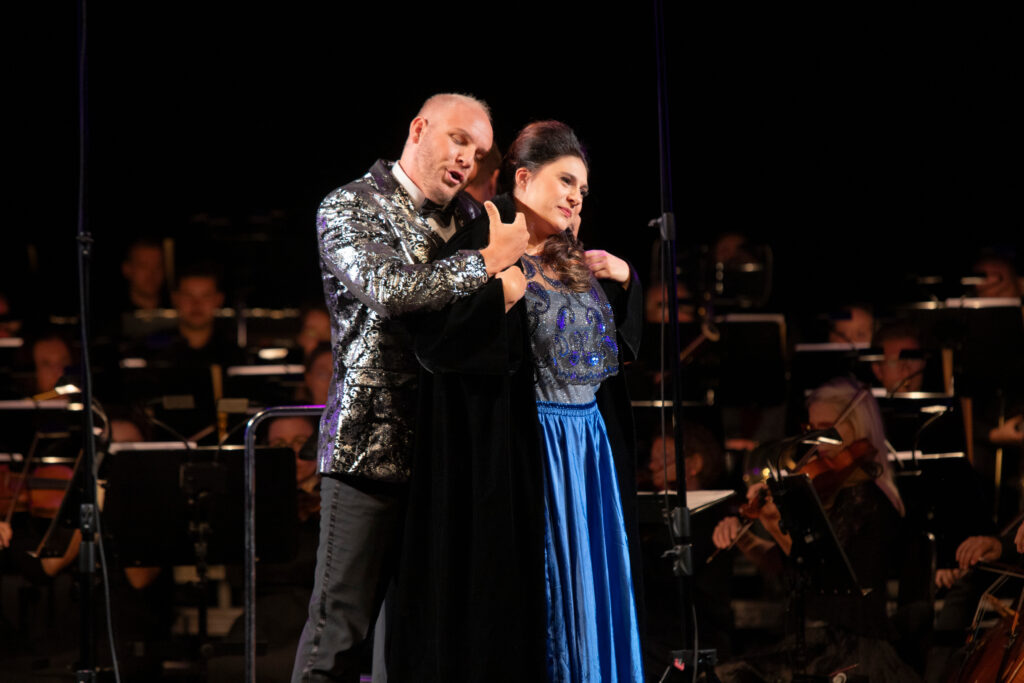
x=945 y=578
x=607 y=266
x=513 y=284
x=769 y=512
x=1008 y=433
x=1019 y=538
x=978 y=549
x=6 y=534
x=770 y=517
x=726 y=532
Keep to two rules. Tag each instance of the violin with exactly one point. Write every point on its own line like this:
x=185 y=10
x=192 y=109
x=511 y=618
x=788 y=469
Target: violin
x=13 y=495
x=828 y=476
x=38 y=489
x=39 y=494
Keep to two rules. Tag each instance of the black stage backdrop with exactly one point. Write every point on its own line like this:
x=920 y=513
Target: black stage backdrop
x=864 y=143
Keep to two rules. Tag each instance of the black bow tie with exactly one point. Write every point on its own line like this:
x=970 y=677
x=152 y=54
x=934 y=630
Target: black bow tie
x=442 y=214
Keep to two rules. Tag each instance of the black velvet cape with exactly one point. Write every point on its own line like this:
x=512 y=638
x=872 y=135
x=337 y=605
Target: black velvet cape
x=469 y=601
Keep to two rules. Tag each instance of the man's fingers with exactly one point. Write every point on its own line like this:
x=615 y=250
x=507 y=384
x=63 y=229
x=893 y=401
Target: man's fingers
x=965 y=551
x=976 y=549
x=492 y=212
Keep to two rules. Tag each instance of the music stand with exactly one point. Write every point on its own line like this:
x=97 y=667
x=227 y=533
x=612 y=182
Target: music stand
x=923 y=423
x=155 y=492
x=821 y=564
x=142 y=324
x=181 y=397
x=176 y=505
x=11 y=349
x=651 y=508
x=987 y=334
x=264 y=385
x=815 y=364
x=699 y=372
x=21 y=419
x=270 y=326
x=654 y=511
x=934 y=494
x=47 y=433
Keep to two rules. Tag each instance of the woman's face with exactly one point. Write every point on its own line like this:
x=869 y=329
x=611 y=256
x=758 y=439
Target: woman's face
x=553 y=195
x=823 y=416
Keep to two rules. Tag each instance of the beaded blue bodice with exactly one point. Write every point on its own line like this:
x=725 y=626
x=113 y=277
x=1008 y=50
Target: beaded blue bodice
x=572 y=335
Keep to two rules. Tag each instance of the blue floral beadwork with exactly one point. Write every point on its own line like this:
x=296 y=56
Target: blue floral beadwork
x=572 y=333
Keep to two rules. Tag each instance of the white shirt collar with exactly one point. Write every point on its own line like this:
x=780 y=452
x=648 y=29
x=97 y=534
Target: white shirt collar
x=415 y=193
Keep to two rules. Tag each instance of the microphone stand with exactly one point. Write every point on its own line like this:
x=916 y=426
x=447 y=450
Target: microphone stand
x=86 y=668
x=691 y=659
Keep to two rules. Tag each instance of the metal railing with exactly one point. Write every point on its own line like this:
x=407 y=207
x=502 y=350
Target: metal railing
x=250 y=522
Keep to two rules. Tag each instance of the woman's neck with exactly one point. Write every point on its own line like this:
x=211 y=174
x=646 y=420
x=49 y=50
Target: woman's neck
x=533 y=226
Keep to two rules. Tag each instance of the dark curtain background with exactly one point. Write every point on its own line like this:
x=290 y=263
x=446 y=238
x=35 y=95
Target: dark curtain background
x=863 y=143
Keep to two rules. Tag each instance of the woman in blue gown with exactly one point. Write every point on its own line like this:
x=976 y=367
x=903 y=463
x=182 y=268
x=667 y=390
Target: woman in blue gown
x=517 y=562
x=592 y=623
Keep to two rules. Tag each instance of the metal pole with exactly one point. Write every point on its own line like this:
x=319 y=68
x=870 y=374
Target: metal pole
x=250 y=522
x=85 y=670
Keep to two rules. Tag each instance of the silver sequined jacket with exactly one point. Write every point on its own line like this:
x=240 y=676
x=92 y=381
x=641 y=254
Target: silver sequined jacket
x=375 y=260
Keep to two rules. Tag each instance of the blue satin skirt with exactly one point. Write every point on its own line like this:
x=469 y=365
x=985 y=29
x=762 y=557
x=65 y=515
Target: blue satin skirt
x=592 y=626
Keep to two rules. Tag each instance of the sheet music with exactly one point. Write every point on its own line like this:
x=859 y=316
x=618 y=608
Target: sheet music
x=695 y=500
x=904 y=456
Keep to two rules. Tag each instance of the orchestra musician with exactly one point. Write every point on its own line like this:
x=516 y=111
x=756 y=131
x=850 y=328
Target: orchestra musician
x=842 y=630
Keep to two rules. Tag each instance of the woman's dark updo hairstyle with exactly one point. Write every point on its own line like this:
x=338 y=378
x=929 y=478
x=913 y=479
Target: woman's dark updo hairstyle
x=539 y=144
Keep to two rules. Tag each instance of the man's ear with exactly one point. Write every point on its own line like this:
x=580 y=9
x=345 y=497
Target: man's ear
x=416 y=129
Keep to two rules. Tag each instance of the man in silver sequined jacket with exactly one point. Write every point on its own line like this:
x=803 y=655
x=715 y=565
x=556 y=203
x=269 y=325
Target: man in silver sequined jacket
x=377 y=236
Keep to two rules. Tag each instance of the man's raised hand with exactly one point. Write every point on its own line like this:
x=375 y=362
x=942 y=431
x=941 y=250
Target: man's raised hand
x=507 y=241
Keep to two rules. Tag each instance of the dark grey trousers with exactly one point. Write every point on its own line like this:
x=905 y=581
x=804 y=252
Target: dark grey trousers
x=360 y=531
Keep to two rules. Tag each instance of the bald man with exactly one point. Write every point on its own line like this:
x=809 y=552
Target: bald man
x=377 y=238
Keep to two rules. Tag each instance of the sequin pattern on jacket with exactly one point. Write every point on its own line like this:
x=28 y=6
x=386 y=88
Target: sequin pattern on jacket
x=375 y=261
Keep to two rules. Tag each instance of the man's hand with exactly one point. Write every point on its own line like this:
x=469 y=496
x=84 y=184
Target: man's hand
x=945 y=578
x=978 y=549
x=1007 y=434
x=507 y=241
x=513 y=282
x=608 y=266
